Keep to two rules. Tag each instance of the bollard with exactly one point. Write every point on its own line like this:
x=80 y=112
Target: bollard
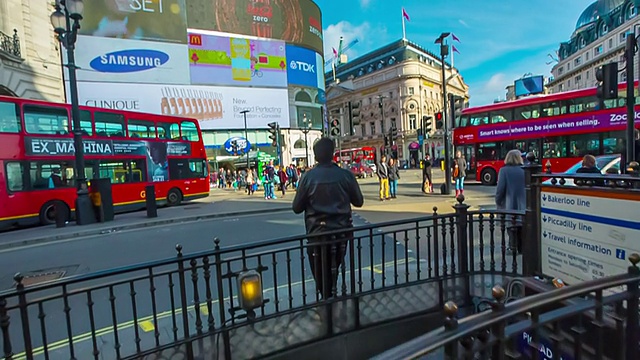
x=61 y=219
x=150 y=197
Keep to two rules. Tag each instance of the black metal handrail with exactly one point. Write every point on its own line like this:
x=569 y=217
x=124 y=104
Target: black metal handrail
x=10 y=44
x=412 y=254
x=458 y=331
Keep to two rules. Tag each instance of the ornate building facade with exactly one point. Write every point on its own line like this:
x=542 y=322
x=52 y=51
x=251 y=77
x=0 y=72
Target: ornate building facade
x=407 y=79
x=599 y=38
x=29 y=51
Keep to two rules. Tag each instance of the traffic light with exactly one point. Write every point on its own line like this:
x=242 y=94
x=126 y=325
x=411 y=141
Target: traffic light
x=355 y=112
x=386 y=141
x=457 y=105
x=439 y=121
x=427 y=123
x=607 y=76
x=234 y=147
x=393 y=133
x=335 y=127
x=273 y=131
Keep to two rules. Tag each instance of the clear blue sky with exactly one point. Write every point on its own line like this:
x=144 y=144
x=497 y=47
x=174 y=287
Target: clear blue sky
x=500 y=40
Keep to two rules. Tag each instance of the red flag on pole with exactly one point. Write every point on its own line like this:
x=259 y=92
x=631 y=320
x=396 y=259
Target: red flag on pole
x=405 y=14
x=335 y=52
x=454 y=37
x=454 y=49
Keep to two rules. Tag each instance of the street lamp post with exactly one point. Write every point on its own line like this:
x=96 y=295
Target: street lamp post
x=444 y=51
x=305 y=130
x=381 y=106
x=246 y=136
x=66 y=23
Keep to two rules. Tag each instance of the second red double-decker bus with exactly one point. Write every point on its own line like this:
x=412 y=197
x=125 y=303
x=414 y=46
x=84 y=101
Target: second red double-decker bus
x=355 y=155
x=559 y=128
x=131 y=149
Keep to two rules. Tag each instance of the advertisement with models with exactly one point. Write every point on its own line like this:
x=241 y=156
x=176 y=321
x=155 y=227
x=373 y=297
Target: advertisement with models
x=294 y=21
x=153 y=20
x=221 y=60
x=130 y=61
x=215 y=107
x=304 y=67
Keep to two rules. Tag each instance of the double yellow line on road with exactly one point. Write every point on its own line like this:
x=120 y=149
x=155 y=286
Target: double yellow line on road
x=146 y=323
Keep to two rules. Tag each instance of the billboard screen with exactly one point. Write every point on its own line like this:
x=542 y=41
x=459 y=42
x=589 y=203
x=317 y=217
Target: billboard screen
x=215 y=107
x=294 y=21
x=529 y=86
x=130 y=61
x=221 y=60
x=153 y=20
x=303 y=67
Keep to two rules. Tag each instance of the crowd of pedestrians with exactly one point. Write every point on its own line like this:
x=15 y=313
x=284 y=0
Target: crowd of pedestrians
x=271 y=179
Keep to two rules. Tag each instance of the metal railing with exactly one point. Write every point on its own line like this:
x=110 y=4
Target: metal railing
x=187 y=306
x=10 y=44
x=510 y=330
x=596 y=319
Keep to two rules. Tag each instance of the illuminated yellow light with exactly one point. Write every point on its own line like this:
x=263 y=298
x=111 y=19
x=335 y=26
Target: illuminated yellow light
x=250 y=287
x=250 y=290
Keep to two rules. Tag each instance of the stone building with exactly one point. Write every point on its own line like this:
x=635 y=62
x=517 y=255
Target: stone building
x=407 y=79
x=29 y=51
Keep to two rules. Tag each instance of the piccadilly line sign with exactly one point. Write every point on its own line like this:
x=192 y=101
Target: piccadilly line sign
x=59 y=147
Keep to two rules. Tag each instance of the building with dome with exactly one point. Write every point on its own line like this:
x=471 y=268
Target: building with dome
x=599 y=38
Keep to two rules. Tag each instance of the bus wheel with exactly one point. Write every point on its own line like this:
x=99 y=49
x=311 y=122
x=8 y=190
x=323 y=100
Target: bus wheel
x=488 y=177
x=48 y=212
x=174 y=197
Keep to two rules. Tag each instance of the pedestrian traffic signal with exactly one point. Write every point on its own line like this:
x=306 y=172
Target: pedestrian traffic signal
x=335 y=127
x=273 y=131
x=607 y=76
x=439 y=121
x=427 y=124
x=234 y=147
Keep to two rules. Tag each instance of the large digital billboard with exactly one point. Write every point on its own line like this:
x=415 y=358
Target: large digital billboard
x=304 y=67
x=294 y=21
x=215 y=107
x=154 y=20
x=130 y=61
x=223 y=60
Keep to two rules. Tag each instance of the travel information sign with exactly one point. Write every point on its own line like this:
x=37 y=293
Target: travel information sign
x=587 y=234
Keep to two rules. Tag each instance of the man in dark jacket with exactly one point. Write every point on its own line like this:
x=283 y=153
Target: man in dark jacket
x=325 y=194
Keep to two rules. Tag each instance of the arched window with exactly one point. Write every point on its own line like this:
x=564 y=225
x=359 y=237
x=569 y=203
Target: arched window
x=604 y=29
x=317 y=99
x=302 y=96
x=631 y=11
x=300 y=144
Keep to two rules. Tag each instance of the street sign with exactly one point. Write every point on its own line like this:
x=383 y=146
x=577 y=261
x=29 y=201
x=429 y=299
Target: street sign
x=587 y=234
x=421 y=140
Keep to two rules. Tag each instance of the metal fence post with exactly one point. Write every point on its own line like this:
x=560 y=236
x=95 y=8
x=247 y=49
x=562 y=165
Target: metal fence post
x=463 y=242
x=451 y=325
x=632 y=310
x=183 y=302
x=531 y=241
x=24 y=316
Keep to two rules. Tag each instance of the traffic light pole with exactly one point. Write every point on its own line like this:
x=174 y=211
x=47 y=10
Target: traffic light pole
x=444 y=51
x=631 y=113
x=278 y=147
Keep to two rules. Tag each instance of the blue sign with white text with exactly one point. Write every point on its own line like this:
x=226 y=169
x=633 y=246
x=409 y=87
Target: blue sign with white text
x=237 y=145
x=302 y=68
x=126 y=61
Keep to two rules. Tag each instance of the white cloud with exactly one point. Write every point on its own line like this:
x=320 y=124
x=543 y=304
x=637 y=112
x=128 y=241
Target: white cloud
x=368 y=36
x=463 y=23
x=365 y=3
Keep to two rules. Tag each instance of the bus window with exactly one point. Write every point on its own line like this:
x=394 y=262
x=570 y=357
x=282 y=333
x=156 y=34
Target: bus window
x=489 y=151
x=51 y=174
x=180 y=169
x=15 y=176
x=554 y=147
x=479 y=119
x=610 y=142
x=552 y=109
x=162 y=131
x=122 y=172
x=9 y=118
x=46 y=120
x=500 y=116
x=109 y=124
x=582 y=104
x=174 y=130
x=526 y=112
x=86 y=125
x=581 y=145
x=462 y=121
x=189 y=131
x=141 y=129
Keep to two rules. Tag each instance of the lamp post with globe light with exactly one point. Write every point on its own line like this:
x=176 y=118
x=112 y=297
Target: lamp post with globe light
x=66 y=23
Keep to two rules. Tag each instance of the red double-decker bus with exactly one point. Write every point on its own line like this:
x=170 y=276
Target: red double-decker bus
x=131 y=149
x=355 y=155
x=560 y=128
